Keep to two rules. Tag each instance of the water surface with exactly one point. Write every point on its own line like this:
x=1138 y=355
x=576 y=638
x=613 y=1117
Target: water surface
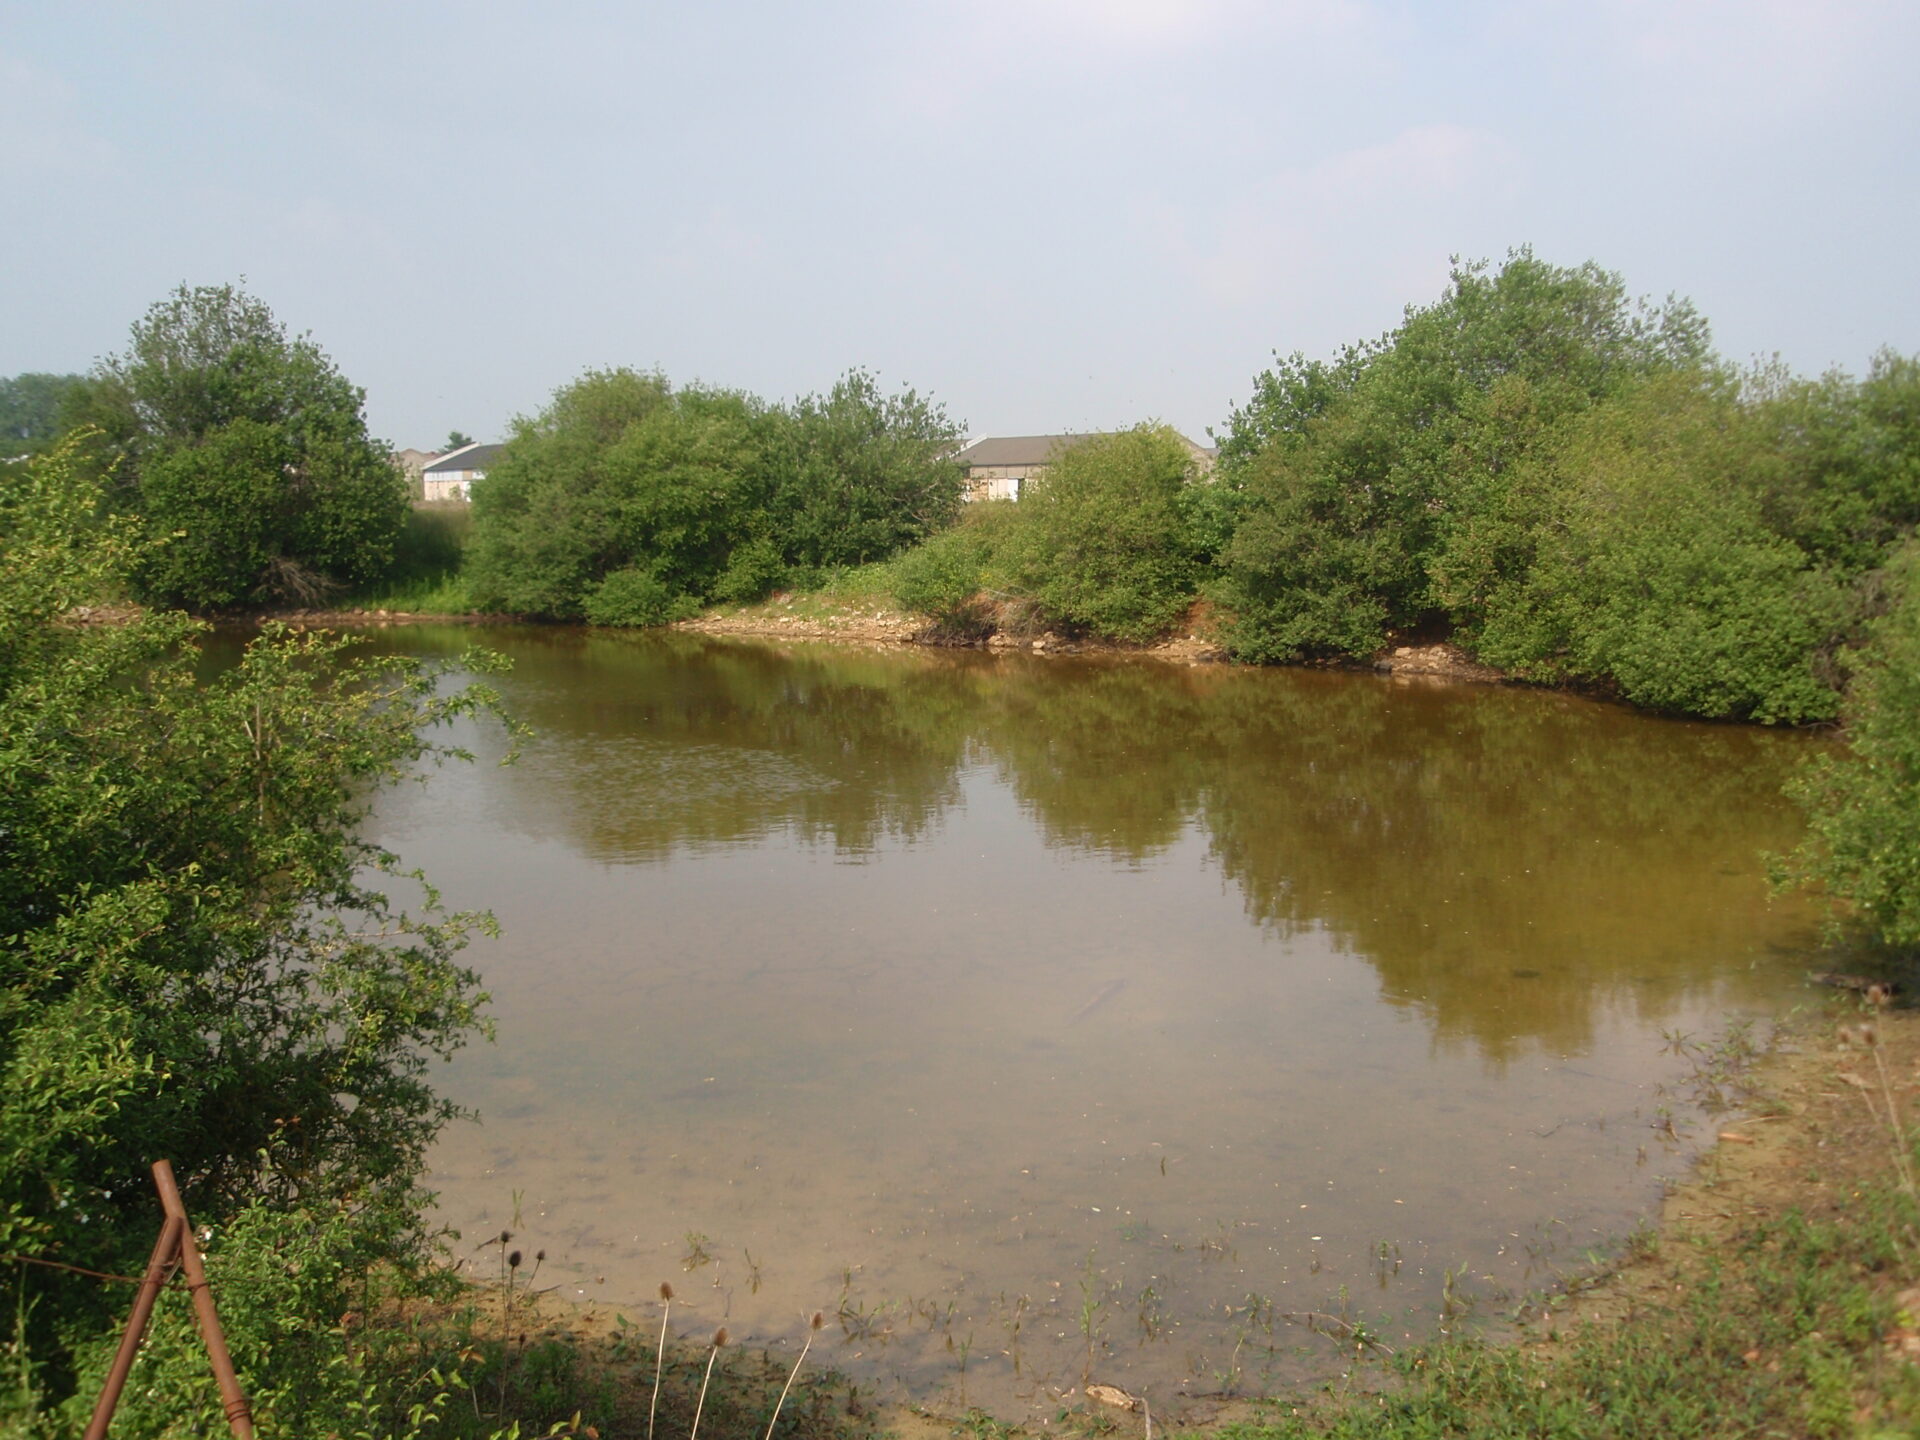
x=1046 y=1018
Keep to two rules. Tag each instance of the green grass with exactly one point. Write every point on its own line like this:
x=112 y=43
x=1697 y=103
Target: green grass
x=426 y=575
x=1777 y=1332
x=419 y=595
x=862 y=587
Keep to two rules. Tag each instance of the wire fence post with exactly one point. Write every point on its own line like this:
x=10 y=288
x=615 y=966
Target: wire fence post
x=174 y=1248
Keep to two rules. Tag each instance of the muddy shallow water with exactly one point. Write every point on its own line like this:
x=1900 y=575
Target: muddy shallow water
x=1046 y=1019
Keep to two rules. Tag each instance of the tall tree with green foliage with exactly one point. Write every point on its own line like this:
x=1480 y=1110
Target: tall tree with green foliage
x=200 y=959
x=1358 y=478
x=247 y=451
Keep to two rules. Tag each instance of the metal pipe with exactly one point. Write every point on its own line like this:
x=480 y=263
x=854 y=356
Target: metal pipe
x=165 y=1253
x=239 y=1418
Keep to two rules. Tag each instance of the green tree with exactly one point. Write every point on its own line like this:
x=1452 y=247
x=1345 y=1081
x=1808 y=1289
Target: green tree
x=199 y=956
x=1287 y=399
x=1359 y=478
x=630 y=502
x=1852 y=489
x=1651 y=566
x=1105 y=542
x=30 y=410
x=858 y=475
x=248 y=451
x=1863 y=806
x=623 y=485
x=457 y=439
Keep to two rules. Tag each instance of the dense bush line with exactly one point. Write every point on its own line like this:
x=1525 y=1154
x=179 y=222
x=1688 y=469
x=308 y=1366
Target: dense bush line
x=630 y=502
x=1575 y=488
x=1569 y=484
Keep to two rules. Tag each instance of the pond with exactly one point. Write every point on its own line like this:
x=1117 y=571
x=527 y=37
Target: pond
x=1051 y=1019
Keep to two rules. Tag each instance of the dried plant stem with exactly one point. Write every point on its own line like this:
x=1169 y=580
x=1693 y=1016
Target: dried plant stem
x=1896 y=1132
x=719 y=1339
x=813 y=1329
x=659 y=1354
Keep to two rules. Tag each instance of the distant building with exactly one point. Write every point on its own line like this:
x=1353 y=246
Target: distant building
x=999 y=467
x=410 y=463
x=451 y=477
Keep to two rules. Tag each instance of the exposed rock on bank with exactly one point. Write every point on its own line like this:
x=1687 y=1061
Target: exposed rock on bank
x=870 y=625
x=1442 y=661
x=774 y=620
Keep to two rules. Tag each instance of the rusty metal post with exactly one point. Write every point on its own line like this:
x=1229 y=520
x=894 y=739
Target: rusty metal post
x=239 y=1418
x=165 y=1254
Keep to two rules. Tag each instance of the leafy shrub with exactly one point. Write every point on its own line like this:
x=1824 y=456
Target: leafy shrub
x=198 y=955
x=1863 y=808
x=634 y=596
x=948 y=576
x=247 y=450
x=858 y=475
x=1103 y=540
x=1650 y=565
x=1355 y=477
x=620 y=471
x=712 y=493
x=753 y=571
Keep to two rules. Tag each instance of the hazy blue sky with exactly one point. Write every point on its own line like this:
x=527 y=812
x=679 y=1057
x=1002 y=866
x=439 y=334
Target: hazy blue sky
x=1050 y=214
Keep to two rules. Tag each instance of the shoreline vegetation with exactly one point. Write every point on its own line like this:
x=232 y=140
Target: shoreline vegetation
x=1533 y=477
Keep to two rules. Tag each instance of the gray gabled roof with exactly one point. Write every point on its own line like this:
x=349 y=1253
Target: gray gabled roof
x=1021 y=449
x=467 y=457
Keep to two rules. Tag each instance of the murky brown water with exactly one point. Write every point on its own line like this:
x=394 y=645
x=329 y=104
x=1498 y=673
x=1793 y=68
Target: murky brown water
x=1021 y=1014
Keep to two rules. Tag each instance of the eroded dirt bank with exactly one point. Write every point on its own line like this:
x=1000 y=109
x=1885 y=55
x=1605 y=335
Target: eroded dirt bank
x=1193 y=643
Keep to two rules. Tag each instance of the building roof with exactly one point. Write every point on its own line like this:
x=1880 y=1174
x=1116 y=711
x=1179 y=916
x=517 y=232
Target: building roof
x=1020 y=449
x=467 y=457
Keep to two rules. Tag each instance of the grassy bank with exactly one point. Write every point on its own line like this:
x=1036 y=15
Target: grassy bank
x=428 y=572
x=1775 y=1299
x=843 y=591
